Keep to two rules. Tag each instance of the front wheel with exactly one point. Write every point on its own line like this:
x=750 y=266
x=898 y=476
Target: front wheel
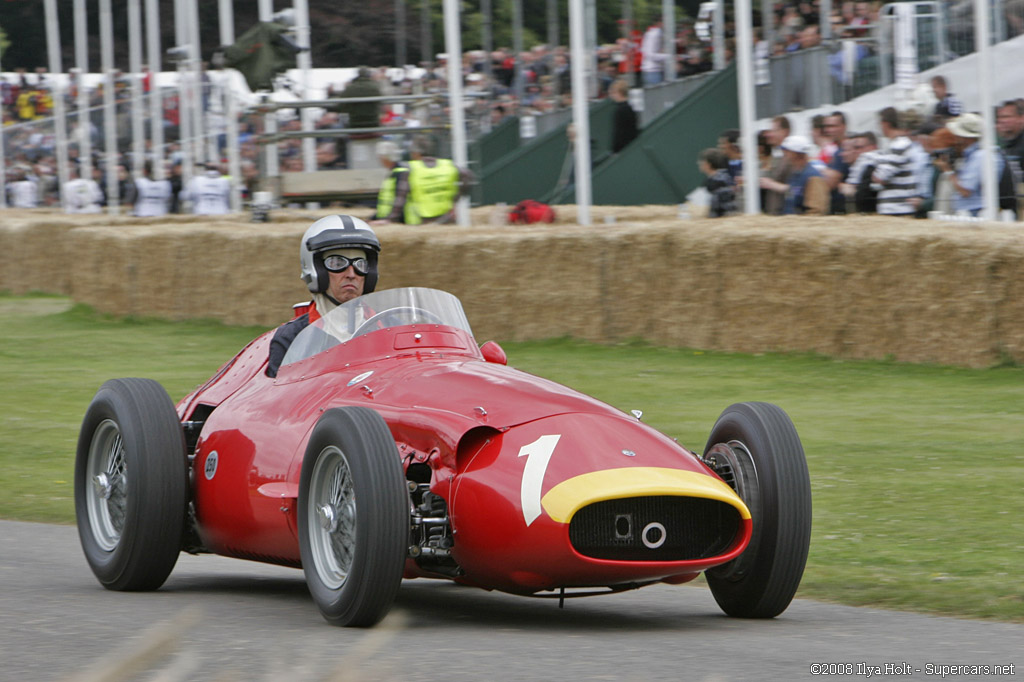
x=131 y=485
x=755 y=448
x=353 y=517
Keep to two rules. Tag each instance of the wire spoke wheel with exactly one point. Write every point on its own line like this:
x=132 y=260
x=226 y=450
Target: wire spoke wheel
x=106 y=497
x=131 y=485
x=353 y=517
x=331 y=517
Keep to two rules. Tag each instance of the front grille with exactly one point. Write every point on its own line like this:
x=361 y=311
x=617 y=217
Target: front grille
x=658 y=528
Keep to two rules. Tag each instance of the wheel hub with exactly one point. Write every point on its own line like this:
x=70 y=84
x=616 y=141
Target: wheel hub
x=328 y=518
x=102 y=485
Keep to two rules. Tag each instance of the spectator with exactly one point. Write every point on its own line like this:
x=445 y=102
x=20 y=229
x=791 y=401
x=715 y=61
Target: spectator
x=427 y=193
x=624 y=125
x=81 y=195
x=209 y=192
x=779 y=170
x=23 y=191
x=837 y=167
x=949 y=105
x=967 y=179
x=361 y=114
x=177 y=181
x=765 y=159
x=924 y=169
x=938 y=142
x=715 y=165
x=390 y=156
x=862 y=155
x=822 y=146
x=652 y=66
x=152 y=197
x=894 y=173
x=729 y=143
x=1010 y=126
x=805 y=191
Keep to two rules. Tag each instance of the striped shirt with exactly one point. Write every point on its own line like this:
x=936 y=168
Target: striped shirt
x=896 y=179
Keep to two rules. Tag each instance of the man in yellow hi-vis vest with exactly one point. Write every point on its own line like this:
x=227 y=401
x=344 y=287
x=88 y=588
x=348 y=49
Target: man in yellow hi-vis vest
x=390 y=155
x=427 y=193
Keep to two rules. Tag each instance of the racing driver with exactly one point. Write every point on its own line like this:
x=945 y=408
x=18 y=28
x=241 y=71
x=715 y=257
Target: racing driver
x=338 y=257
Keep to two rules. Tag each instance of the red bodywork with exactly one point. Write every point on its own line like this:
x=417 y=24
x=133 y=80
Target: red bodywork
x=514 y=457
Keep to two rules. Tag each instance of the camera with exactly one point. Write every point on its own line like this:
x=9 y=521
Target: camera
x=179 y=53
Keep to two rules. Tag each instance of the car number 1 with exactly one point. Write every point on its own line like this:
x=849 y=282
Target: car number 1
x=538 y=454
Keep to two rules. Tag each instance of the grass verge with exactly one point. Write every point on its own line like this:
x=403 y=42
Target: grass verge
x=916 y=471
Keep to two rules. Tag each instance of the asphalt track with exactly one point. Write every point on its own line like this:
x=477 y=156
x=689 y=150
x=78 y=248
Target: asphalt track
x=225 y=619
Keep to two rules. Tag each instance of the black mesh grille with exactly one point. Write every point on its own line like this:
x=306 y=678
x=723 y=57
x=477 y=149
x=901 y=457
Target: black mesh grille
x=675 y=528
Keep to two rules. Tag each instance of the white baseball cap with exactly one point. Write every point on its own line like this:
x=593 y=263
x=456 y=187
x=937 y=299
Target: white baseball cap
x=797 y=143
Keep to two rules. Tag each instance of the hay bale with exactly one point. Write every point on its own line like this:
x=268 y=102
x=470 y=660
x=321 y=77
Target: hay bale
x=849 y=286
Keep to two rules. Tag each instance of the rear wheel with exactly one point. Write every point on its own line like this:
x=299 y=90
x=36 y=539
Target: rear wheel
x=353 y=517
x=131 y=485
x=755 y=448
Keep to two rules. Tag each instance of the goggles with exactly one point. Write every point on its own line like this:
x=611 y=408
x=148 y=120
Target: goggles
x=336 y=263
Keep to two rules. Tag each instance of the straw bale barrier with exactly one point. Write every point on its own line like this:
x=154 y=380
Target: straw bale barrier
x=858 y=287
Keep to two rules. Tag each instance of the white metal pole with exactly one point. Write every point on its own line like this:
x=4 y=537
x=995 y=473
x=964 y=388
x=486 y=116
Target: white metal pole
x=3 y=161
x=270 y=119
x=668 y=23
x=748 y=124
x=156 y=105
x=57 y=93
x=517 y=47
x=768 y=23
x=580 y=113
x=227 y=37
x=109 y=115
x=135 y=66
x=198 y=110
x=453 y=46
x=305 y=63
x=718 y=35
x=989 y=182
x=184 y=99
x=84 y=118
x=590 y=31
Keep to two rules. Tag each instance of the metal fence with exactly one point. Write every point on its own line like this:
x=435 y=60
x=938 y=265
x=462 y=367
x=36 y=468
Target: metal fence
x=860 y=59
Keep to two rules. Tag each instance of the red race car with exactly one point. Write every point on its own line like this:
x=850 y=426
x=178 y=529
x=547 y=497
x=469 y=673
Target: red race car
x=391 y=446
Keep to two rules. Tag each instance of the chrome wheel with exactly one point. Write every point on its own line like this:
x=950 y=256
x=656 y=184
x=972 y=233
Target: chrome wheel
x=106 y=495
x=331 y=517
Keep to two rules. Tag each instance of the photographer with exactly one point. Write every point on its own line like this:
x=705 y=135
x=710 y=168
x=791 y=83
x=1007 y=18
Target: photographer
x=966 y=180
x=939 y=145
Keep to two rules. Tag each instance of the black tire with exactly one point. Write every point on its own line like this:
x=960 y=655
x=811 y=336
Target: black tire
x=755 y=447
x=131 y=485
x=353 y=517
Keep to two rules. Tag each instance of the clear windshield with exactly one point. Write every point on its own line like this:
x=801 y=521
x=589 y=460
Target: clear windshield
x=376 y=311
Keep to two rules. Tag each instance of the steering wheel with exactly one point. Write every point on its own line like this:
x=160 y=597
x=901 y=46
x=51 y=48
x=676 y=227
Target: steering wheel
x=395 y=317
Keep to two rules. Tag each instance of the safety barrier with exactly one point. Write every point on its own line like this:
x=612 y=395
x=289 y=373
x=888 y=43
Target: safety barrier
x=853 y=287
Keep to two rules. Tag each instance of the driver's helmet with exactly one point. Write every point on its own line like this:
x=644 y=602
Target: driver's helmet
x=336 y=232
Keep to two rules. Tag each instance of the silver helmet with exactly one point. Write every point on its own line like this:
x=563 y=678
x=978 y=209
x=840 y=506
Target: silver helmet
x=336 y=232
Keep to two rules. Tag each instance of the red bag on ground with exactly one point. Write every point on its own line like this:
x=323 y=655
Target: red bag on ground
x=530 y=211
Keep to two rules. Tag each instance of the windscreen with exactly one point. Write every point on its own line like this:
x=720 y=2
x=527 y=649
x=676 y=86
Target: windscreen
x=374 y=312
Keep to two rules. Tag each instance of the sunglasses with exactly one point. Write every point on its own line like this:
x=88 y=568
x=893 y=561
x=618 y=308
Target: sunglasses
x=340 y=264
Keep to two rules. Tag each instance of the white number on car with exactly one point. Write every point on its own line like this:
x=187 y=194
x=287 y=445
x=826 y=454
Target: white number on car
x=538 y=454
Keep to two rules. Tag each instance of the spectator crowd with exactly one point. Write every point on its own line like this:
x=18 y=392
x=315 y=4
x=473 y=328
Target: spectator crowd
x=907 y=164
x=916 y=165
